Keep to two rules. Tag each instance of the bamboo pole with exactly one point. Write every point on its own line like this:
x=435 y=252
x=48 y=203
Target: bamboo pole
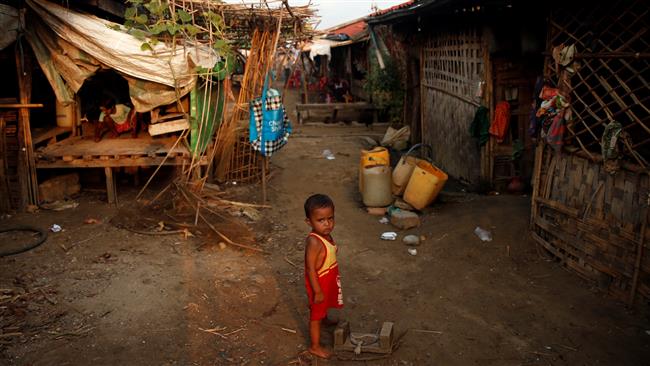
x=26 y=164
x=639 y=253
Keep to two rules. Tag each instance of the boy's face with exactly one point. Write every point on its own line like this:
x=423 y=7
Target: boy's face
x=321 y=220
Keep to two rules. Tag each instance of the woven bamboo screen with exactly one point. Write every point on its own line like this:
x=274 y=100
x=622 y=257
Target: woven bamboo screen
x=453 y=63
x=612 y=64
x=452 y=67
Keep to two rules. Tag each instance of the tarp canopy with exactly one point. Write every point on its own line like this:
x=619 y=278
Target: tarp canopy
x=8 y=25
x=71 y=46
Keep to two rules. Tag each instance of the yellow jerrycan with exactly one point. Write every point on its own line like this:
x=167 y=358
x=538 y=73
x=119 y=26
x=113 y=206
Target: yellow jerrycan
x=376 y=156
x=424 y=185
x=405 y=166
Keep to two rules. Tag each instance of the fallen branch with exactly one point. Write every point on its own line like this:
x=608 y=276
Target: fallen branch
x=48 y=298
x=241 y=204
x=171 y=232
x=290 y=262
x=9 y=335
x=426 y=331
x=228 y=239
x=234 y=331
x=215 y=332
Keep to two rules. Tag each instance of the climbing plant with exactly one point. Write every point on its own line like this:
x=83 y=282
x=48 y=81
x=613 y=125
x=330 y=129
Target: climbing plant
x=384 y=86
x=154 y=21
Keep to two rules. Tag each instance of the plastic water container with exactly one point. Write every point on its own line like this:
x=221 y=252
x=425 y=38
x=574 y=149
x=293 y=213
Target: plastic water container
x=406 y=165
x=377 y=186
x=425 y=184
x=402 y=173
x=376 y=156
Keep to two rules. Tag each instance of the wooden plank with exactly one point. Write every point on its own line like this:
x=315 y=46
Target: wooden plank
x=111 y=191
x=107 y=161
x=41 y=135
x=333 y=106
x=126 y=145
x=21 y=105
x=161 y=128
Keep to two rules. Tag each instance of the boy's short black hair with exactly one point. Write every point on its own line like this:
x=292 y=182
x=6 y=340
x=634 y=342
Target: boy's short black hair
x=317 y=201
x=108 y=103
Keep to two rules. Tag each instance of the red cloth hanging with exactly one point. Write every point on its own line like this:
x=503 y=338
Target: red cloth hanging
x=499 y=126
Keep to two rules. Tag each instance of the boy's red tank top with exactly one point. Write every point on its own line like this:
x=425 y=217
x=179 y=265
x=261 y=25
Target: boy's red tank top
x=328 y=279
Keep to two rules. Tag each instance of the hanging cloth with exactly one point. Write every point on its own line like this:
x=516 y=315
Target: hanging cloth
x=480 y=126
x=269 y=125
x=499 y=126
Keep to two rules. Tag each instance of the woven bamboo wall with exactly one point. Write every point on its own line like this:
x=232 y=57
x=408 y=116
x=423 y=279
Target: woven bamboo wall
x=592 y=221
x=611 y=68
x=452 y=66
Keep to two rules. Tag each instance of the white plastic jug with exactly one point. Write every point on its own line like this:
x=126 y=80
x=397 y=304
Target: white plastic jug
x=376 y=190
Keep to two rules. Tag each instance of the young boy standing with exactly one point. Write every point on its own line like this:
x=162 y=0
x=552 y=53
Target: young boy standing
x=321 y=268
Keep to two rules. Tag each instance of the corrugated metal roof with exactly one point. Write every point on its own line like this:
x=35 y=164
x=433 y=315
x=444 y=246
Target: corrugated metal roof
x=352 y=30
x=393 y=8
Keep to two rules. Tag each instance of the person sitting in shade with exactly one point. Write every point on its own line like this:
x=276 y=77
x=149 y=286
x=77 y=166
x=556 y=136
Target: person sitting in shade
x=116 y=118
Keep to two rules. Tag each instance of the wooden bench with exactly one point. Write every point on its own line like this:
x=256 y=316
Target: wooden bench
x=334 y=108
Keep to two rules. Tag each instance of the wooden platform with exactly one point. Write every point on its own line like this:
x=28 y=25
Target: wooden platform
x=301 y=109
x=76 y=152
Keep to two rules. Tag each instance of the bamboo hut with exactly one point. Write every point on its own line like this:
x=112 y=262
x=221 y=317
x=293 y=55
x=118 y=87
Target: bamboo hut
x=456 y=57
x=590 y=202
x=172 y=66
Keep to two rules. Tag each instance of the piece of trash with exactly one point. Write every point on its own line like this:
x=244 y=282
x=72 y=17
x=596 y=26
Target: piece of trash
x=413 y=251
x=376 y=211
x=647 y=332
x=389 y=235
x=327 y=154
x=483 y=234
x=91 y=221
x=411 y=240
x=384 y=220
x=55 y=228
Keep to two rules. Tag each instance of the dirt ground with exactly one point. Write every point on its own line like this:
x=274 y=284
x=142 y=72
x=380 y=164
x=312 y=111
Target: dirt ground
x=98 y=294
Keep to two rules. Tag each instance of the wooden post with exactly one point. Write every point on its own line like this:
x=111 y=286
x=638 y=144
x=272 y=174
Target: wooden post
x=639 y=254
x=111 y=191
x=304 y=80
x=26 y=164
x=5 y=201
x=537 y=180
x=264 y=162
x=422 y=95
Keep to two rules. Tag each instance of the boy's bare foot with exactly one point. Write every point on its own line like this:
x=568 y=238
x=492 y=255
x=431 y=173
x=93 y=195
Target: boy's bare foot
x=319 y=351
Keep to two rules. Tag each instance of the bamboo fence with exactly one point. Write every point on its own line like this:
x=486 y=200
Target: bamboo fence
x=592 y=219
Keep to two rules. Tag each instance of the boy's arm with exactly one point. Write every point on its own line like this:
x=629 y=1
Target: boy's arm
x=314 y=248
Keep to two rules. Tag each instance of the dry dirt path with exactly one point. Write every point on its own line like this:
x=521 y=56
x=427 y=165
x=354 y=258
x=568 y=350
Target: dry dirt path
x=496 y=303
x=96 y=294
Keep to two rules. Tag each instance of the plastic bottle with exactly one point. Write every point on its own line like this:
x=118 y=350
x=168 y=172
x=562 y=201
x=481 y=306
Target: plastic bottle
x=483 y=234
